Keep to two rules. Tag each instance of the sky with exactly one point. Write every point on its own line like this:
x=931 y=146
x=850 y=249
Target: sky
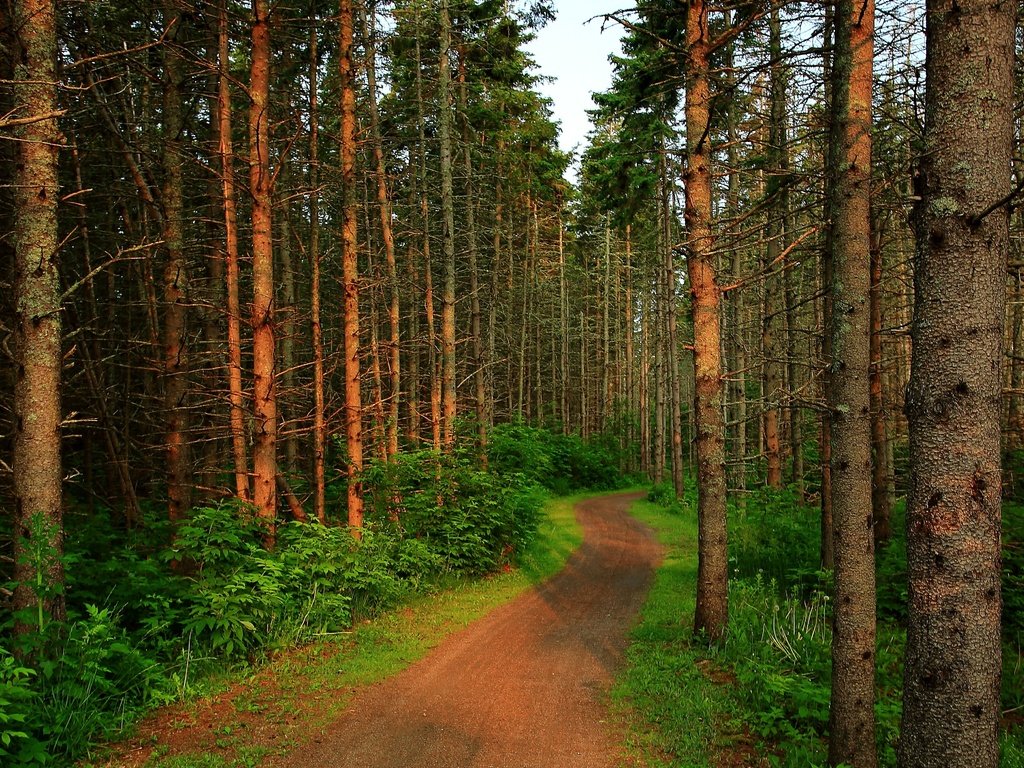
x=574 y=52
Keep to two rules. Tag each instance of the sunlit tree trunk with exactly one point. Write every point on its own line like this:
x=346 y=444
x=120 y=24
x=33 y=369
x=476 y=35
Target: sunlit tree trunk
x=234 y=311
x=711 y=612
x=264 y=452
x=350 y=272
x=36 y=463
x=951 y=705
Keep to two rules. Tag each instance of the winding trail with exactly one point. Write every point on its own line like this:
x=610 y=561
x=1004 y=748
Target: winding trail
x=523 y=687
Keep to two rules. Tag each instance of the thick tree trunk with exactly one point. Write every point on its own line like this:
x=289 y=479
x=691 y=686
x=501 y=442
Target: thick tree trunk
x=951 y=687
x=264 y=452
x=350 y=272
x=38 y=477
x=711 y=613
x=852 y=722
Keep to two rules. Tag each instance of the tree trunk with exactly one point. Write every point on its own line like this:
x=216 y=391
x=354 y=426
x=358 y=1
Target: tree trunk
x=350 y=272
x=175 y=281
x=881 y=503
x=234 y=312
x=711 y=612
x=852 y=721
x=286 y=320
x=428 y=270
x=563 y=325
x=384 y=205
x=264 y=452
x=319 y=428
x=476 y=320
x=628 y=340
x=735 y=304
x=671 y=337
x=827 y=548
x=951 y=706
x=38 y=477
x=444 y=88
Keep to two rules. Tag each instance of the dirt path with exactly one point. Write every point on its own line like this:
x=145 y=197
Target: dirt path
x=525 y=686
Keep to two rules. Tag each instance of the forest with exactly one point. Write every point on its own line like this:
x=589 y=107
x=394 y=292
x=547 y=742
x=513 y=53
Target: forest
x=305 y=316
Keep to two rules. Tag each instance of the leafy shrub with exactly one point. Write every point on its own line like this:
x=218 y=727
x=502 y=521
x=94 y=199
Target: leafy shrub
x=561 y=463
x=18 y=700
x=471 y=520
x=217 y=593
x=93 y=686
x=518 y=449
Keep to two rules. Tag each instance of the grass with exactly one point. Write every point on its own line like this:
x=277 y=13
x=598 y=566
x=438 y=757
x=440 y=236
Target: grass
x=301 y=692
x=775 y=658
x=676 y=714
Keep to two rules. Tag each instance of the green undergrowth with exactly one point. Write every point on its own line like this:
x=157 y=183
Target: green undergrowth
x=676 y=715
x=776 y=655
x=162 y=613
x=327 y=671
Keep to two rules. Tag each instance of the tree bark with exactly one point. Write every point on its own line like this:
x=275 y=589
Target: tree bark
x=394 y=358
x=234 y=311
x=675 y=410
x=951 y=706
x=36 y=462
x=350 y=272
x=827 y=548
x=264 y=452
x=881 y=502
x=319 y=427
x=475 y=312
x=447 y=232
x=711 y=613
x=852 y=721
x=175 y=281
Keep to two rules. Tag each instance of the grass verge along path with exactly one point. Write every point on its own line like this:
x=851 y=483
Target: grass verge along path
x=671 y=697
x=278 y=707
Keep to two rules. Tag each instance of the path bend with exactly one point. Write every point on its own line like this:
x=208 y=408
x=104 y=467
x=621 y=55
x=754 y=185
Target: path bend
x=524 y=686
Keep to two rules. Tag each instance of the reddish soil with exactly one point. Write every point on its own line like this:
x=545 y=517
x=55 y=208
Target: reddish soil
x=524 y=687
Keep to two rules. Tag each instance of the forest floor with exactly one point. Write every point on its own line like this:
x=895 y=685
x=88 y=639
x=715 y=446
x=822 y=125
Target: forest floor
x=524 y=686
